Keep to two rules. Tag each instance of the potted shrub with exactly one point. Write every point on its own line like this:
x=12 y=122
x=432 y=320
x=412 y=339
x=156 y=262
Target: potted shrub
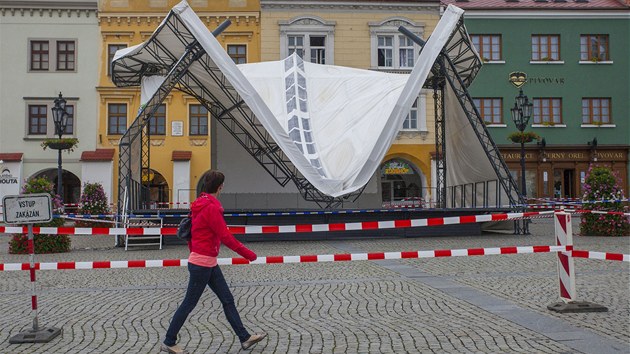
x=600 y=185
x=44 y=243
x=93 y=202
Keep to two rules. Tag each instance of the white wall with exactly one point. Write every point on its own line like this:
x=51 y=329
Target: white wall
x=99 y=172
x=181 y=181
x=10 y=177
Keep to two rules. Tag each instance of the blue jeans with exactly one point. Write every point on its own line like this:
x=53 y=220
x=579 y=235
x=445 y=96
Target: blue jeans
x=199 y=278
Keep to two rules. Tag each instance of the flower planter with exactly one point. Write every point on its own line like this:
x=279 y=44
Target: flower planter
x=525 y=137
x=60 y=146
x=521 y=139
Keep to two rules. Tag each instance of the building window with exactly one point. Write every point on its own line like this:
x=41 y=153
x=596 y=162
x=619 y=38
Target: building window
x=395 y=52
x=69 y=120
x=238 y=53
x=198 y=115
x=389 y=49
x=37 y=119
x=311 y=38
x=547 y=111
x=406 y=55
x=63 y=52
x=490 y=109
x=296 y=45
x=65 y=55
x=111 y=51
x=594 y=47
x=317 y=48
x=411 y=120
x=416 y=120
x=385 y=51
x=314 y=49
x=39 y=55
x=596 y=111
x=157 y=122
x=545 y=47
x=116 y=118
x=488 y=46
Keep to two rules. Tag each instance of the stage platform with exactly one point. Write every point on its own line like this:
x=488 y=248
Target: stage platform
x=286 y=217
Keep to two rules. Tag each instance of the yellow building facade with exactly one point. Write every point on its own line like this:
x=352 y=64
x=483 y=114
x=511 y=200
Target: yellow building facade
x=364 y=34
x=181 y=129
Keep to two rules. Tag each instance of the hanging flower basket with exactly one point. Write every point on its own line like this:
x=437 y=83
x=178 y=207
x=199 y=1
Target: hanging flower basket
x=60 y=144
x=524 y=137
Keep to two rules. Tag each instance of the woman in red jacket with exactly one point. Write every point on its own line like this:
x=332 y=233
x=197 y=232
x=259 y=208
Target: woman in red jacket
x=208 y=232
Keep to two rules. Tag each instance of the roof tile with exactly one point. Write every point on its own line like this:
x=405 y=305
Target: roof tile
x=98 y=155
x=181 y=155
x=540 y=4
x=11 y=156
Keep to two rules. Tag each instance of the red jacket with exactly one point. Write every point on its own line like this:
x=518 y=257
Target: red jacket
x=209 y=229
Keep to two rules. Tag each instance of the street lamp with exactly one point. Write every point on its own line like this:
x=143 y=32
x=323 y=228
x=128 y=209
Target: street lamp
x=593 y=145
x=521 y=113
x=60 y=118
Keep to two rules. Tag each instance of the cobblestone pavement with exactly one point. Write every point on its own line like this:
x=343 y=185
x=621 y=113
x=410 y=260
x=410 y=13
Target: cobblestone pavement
x=489 y=304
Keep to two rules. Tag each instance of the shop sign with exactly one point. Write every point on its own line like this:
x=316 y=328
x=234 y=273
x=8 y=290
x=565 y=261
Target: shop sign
x=148 y=177
x=546 y=80
x=576 y=156
x=397 y=168
x=517 y=156
x=610 y=155
x=7 y=178
x=518 y=78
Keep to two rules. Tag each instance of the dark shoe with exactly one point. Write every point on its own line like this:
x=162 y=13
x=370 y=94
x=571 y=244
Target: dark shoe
x=253 y=339
x=175 y=349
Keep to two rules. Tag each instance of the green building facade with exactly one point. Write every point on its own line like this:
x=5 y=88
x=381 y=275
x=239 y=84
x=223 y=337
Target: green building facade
x=573 y=61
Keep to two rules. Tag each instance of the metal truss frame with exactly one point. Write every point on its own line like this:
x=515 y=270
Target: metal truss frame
x=459 y=71
x=254 y=138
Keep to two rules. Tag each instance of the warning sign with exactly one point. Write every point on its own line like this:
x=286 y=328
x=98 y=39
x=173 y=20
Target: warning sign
x=27 y=209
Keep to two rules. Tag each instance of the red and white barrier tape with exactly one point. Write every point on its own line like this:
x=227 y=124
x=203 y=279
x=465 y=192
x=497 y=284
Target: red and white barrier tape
x=257 y=229
x=601 y=255
x=290 y=259
x=584 y=211
x=344 y=257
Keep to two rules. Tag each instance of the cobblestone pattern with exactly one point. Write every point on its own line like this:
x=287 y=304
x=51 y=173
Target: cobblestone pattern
x=345 y=307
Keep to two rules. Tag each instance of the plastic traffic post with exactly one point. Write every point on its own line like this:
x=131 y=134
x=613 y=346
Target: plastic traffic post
x=566 y=270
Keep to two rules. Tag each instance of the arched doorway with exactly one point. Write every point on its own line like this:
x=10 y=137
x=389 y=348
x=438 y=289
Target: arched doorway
x=159 y=193
x=401 y=184
x=71 y=184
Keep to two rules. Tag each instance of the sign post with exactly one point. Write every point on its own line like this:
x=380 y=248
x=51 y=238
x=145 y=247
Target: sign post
x=30 y=209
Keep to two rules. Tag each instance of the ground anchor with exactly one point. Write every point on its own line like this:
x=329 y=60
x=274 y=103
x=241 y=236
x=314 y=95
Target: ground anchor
x=42 y=335
x=576 y=306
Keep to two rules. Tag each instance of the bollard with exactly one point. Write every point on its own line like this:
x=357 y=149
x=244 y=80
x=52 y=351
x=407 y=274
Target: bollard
x=566 y=271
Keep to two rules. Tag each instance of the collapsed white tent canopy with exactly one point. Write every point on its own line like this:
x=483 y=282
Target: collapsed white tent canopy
x=334 y=123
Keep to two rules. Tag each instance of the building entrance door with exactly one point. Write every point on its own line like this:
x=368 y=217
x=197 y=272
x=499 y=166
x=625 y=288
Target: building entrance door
x=401 y=184
x=564 y=183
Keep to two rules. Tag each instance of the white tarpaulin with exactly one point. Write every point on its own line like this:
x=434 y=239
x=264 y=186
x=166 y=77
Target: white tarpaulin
x=334 y=123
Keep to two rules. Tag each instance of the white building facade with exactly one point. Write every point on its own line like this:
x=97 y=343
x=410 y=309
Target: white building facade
x=48 y=48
